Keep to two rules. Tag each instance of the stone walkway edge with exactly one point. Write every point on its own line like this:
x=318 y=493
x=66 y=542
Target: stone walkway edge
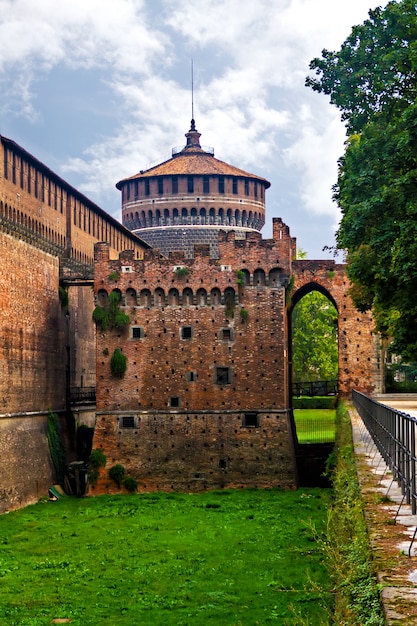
x=391 y=527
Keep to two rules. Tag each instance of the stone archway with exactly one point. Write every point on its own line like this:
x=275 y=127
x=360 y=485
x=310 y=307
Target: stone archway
x=359 y=355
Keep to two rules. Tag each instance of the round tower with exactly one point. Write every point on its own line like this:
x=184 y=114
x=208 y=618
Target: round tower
x=189 y=198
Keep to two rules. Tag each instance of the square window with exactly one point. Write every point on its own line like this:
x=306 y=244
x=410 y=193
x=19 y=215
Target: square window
x=186 y=332
x=250 y=420
x=174 y=401
x=128 y=421
x=223 y=375
x=226 y=334
x=137 y=332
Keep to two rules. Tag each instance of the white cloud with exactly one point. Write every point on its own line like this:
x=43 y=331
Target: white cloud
x=251 y=60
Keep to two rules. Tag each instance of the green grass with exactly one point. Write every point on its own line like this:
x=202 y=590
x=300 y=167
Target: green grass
x=315 y=425
x=242 y=557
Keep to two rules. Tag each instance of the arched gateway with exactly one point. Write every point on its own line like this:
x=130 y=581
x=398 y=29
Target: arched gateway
x=359 y=354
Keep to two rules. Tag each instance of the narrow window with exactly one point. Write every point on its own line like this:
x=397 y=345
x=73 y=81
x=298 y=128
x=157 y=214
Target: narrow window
x=191 y=377
x=174 y=181
x=190 y=184
x=128 y=421
x=255 y=193
x=223 y=464
x=186 y=332
x=221 y=184
x=250 y=420
x=137 y=332
x=174 y=401
x=147 y=189
x=206 y=184
x=223 y=375
x=234 y=185
x=160 y=186
x=246 y=187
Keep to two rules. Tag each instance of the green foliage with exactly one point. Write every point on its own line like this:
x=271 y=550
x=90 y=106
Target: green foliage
x=243 y=314
x=56 y=448
x=373 y=80
x=117 y=473
x=249 y=557
x=240 y=278
x=314 y=339
x=111 y=316
x=113 y=276
x=63 y=297
x=347 y=544
x=130 y=484
x=118 y=363
x=316 y=402
x=97 y=460
x=180 y=272
x=315 y=425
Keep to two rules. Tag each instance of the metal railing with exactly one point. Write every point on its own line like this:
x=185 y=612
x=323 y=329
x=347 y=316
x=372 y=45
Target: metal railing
x=315 y=388
x=394 y=434
x=79 y=395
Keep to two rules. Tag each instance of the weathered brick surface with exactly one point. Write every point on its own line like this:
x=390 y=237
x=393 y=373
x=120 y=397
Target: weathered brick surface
x=359 y=365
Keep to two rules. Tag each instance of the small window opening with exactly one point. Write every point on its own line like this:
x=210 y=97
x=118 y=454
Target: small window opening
x=191 y=377
x=186 y=332
x=223 y=376
x=250 y=420
x=226 y=334
x=223 y=464
x=174 y=401
x=128 y=421
x=137 y=332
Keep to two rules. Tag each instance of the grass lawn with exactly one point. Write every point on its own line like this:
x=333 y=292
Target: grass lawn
x=228 y=557
x=315 y=425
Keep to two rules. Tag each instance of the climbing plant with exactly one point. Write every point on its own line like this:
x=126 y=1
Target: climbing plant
x=56 y=448
x=110 y=316
x=118 y=363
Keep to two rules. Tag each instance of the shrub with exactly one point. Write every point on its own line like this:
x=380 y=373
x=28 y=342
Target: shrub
x=117 y=473
x=243 y=314
x=63 y=297
x=101 y=317
x=180 y=272
x=113 y=276
x=97 y=459
x=131 y=484
x=111 y=316
x=118 y=363
x=315 y=402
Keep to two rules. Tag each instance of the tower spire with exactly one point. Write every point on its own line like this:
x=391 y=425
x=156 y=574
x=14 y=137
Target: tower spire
x=192 y=96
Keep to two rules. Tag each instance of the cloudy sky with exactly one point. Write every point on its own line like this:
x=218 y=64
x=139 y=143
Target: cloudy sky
x=100 y=89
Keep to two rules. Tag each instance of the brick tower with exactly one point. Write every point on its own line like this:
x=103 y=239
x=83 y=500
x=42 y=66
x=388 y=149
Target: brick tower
x=189 y=198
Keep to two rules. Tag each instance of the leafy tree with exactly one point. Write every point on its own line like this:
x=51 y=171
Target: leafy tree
x=373 y=81
x=314 y=339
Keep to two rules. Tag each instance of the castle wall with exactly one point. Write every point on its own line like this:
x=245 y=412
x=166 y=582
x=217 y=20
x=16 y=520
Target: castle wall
x=172 y=420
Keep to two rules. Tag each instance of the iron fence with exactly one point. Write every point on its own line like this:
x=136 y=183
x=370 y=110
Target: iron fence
x=78 y=395
x=315 y=388
x=394 y=434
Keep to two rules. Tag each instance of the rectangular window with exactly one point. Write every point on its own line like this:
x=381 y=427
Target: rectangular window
x=191 y=377
x=190 y=184
x=29 y=180
x=174 y=401
x=255 y=190
x=127 y=421
x=14 y=169
x=221 y=184
x=137 y=332
x=174 y=181
x=186 y=332
x=250 y=420
x=22 y=174
x=206 y=184
x=6 y=170
x=160 y=186
x=234 y=185
x=226 y=334
x=136 y=189
x=223 y=375
x=147 y=188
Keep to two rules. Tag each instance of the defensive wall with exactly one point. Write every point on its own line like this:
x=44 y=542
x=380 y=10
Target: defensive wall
x=47 y=344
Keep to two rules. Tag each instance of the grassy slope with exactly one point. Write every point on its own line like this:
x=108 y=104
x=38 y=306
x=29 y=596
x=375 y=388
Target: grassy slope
x=231 y=557
x=315 y=425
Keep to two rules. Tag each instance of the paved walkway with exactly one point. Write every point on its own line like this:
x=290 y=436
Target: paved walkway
x=391 y=525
